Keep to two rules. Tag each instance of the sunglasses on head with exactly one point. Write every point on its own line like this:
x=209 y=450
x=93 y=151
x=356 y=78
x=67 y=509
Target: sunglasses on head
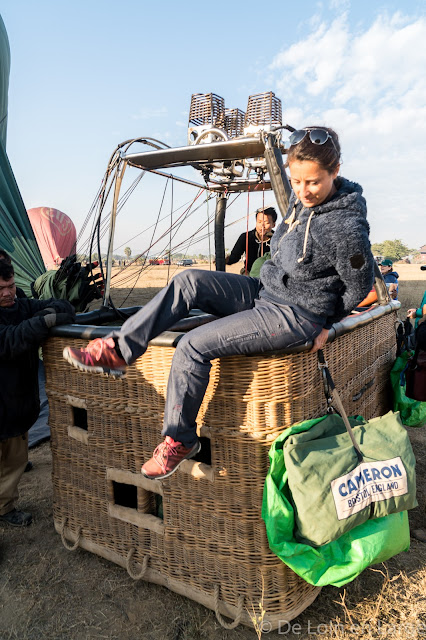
x=316 y=136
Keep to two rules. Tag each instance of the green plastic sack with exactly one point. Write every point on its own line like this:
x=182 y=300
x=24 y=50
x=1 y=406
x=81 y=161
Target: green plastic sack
x=413 y=412
x=337 y=562
x=257 y=265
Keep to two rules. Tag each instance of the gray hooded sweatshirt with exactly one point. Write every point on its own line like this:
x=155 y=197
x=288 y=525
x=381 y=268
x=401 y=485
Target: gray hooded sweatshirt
x=321 y=262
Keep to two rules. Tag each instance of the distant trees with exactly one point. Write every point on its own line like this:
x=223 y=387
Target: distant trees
x=392 y=249
x=127 y=252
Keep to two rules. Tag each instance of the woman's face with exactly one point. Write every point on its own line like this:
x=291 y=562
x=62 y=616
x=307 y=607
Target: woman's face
x=310 y=182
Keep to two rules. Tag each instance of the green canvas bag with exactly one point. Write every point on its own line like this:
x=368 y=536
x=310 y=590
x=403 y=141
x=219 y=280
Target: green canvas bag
x=333 y=490
x=342 y=474
x=335 y=563
x=340 y=504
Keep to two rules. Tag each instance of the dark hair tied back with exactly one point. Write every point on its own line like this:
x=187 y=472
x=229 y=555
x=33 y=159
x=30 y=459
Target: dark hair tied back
x=327 y=155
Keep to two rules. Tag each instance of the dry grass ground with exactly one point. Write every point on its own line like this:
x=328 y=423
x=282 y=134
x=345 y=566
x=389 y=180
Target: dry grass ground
x=49 y=593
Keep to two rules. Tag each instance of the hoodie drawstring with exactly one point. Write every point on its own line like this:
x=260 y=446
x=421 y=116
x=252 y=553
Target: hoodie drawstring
x=292 y=223
x=305 y=242
x=291 y=219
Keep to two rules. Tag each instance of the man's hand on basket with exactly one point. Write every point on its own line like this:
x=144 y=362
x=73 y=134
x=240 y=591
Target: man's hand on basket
x=320 y=340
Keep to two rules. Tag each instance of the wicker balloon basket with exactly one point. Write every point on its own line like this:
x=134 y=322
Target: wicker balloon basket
x=199 y=532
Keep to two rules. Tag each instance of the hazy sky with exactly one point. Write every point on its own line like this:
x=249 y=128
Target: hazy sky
x=86 y=76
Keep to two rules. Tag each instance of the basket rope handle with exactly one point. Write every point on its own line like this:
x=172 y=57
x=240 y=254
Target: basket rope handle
x=219 y=617
x=67 y=545
x=133 y=574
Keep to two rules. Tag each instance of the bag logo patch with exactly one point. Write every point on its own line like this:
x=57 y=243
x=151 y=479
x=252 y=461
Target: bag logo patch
x=368 y=482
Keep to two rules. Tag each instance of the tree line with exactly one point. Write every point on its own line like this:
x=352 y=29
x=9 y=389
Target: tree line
x=393 y=250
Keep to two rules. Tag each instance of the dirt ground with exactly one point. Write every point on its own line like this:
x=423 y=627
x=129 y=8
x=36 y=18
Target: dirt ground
x=49 y=593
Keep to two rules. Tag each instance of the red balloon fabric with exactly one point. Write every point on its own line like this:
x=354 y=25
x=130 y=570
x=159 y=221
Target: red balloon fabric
x=55 y=234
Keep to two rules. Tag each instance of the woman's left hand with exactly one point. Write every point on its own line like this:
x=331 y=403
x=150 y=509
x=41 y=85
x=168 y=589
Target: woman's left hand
x=320 y=340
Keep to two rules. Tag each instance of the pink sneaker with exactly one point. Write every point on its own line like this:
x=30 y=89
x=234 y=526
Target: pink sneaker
x=99 y=356
x=167 y=457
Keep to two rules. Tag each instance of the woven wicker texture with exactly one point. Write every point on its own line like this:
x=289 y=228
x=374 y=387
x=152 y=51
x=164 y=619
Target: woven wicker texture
x=206 y=530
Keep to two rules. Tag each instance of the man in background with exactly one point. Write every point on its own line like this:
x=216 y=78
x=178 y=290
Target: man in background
x=256 y=242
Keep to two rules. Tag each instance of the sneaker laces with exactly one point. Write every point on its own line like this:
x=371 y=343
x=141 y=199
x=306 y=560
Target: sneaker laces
x=96 y=348
x=164 y=450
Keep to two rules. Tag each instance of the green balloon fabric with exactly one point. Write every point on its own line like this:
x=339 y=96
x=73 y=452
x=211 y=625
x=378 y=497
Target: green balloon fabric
x=4 y=80
x=70 y=282
x=337 y=562
x=16 y=234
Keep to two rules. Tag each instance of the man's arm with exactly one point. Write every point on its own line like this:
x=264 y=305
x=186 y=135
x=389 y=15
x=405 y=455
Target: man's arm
x=59 y=306
x=17 y=339
x=238 y=250
x=29 y=333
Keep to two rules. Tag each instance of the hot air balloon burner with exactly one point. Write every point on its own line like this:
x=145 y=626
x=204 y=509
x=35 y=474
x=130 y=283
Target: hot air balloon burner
x=264 y=112
x=206 y=118
x=234 y=122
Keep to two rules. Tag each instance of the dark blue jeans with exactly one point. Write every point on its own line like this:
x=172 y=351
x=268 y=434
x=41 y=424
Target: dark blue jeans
x=247 y=325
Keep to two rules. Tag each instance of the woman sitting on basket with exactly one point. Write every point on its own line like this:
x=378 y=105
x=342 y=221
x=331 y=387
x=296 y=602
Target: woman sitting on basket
x=321 y=267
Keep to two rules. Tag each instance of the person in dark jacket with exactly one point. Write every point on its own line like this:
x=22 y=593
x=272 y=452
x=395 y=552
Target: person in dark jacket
x=256 y=242
x=390 y=277
x=321 y=267
x=20 y=293
x=24 y=324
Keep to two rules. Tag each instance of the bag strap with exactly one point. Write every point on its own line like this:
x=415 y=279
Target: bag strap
x=332 y=396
